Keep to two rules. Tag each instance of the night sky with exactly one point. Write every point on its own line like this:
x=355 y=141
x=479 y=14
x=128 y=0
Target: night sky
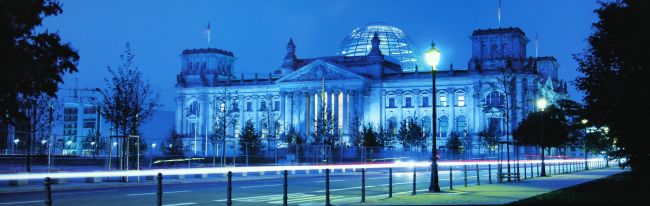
x=257 y=31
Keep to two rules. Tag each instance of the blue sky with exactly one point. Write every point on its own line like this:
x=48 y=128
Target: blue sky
x=258 y=30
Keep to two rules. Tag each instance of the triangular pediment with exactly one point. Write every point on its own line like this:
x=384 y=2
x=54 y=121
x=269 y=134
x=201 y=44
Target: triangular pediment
x=319 y=70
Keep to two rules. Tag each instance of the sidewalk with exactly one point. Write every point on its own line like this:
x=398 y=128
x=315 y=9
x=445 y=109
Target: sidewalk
x=491 y=194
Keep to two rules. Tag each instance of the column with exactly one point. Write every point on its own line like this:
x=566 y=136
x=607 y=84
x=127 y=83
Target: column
x=313 y=99
x=416 y=102
x=283 y=115
x=256 y=107
x=399 y=101
x=336 y=110
x=345 y=118
x=179 y=113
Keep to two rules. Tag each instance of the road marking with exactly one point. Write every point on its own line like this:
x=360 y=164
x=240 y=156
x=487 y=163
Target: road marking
x=74 y=193
x=20 y=202
x=179 y=204
x=153 y=193
x=272 y=185
x=323 y=181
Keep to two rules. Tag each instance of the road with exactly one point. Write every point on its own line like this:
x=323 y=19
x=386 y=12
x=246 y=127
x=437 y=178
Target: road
x=345 y=188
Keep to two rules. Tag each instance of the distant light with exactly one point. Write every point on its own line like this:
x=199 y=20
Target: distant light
x=584 y=121
x=16 y=141
x=541 y=104
x=69 y=142
x=92 y=143
x=43 y=141
x=114 y=144
x=153 y=145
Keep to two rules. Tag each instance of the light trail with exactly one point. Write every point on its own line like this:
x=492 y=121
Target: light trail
x=250 y=169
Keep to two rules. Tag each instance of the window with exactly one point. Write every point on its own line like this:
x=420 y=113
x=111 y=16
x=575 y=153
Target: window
x=249 y=106
x=495 y=125
x=235 y=106
x=276 y=105
x=391 y=102
x=263 y=105
x=443 y=101
x=407 y=101
x=425 y=101
x=460 y=100
x=89 y=110
x=494 y=99
x=70 y=111
x=461 y=124
x=194 y=108
x=443 y=126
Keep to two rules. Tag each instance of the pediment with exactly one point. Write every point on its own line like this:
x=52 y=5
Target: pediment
x=319 y=70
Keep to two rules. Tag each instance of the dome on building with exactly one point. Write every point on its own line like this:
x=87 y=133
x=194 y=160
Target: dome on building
x=394 y=43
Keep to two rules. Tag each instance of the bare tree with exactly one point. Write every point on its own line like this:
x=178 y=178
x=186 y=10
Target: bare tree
x=39 y=117
x=226 y=111
x=128 y=100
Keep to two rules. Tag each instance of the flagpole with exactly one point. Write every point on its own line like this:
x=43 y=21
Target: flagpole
x=499 y=14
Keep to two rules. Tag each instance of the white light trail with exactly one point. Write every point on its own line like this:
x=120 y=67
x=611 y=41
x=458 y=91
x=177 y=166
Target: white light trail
x=250 y=169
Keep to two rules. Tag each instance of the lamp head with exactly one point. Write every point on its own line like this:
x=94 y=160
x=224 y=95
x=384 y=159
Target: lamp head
x=432 y=56
x=541 y=104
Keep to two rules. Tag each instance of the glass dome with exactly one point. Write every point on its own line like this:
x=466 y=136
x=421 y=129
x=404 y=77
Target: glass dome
x=394 y=43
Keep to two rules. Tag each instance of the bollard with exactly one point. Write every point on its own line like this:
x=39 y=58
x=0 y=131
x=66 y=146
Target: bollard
x=490 y=173
x=525 y=173
x=286 y=189
x=465 y=172
x=390 y=182
x=48 y=191
x=363 y=184
x=538 y=170
x=478 y=174
x=159 y=193
x=229 y=195
x=532 y=175
x=413 y=193
x=451 y=179
x=327 y=187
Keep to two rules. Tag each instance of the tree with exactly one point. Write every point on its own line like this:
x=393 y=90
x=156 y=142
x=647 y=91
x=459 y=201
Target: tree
x=174 y=145
x=270 y=123
x=388 y=136
x=489 y=137
x=94 y=143
x=38 y=119
x=544 y=129
x=615 y=64
x=369 y=136
x=226 y=113
x=250 y=142
x=403 y=135
x=293 y=138
x=128 y=100
x=417 y=134
x=454 y=143
x=39 y=58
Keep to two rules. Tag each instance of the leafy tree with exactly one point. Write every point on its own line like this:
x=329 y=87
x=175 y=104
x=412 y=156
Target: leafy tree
x=615 y=64
x=489 y=137
x=417 y=134
x=174 y=145
x=293 y=138
x=544 y=129
x=94 y=143
x=33 y=62
x=369 y=136
x=251 y=139
x=403 y=135
x=388 y=136
x=454 y=143
x=128 y=100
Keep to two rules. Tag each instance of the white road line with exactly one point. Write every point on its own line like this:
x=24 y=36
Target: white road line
x=272 y=185
x=179 y=204
x=323 y=181
x=153 y=193
x=74 y=193
x=20 y=202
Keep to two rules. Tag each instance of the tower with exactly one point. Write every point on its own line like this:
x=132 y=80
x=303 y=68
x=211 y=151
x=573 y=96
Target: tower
x=493 y=49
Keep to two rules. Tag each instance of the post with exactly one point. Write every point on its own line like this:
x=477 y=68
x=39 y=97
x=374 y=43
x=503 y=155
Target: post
x=478 y=175
x=48 y=191
x=286 y=186
x=327 y=187
x=538 y=170
x=159 y=193
x=490 y=173
x=451 y=179
x=363 y=184
x=390 y=182
x=531 y=170
x=525 y=173
x=413 y=193
x=465 y=174
x=229 y=195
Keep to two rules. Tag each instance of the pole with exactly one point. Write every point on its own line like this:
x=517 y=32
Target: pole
x=525 y=173
x=48 y=191
x=433 y=186
x=478 y=176
x=531 y=170
x=160 y=192
x=451 y=179
x=327 y=187
x=229 y=195
x=49 y=143
x=363 y=185
x=286 y=186
x=465 y=174
x=489 y=173
x=390 y=182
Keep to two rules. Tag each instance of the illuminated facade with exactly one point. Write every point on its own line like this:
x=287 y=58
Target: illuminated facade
x=371 y=88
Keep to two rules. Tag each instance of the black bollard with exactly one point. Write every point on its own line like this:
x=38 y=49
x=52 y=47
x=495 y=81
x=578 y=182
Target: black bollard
x=465 y=173
x=363 y=184
x=525 y=173
x=490 y=173
x=538 y=170
x=229 y=195
x=532 y=175
x=159 y=193
x=327 y=187
x=478 y=175
x=413 y=193
x=48 y=191
x=451 y=179
x=390 y=182
x=286 y=189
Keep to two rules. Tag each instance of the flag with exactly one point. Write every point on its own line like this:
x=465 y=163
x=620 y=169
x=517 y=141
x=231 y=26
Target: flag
x=208 y=31
x=499 y=14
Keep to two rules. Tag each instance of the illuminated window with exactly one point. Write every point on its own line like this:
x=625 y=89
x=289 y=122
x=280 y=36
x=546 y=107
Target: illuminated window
x=460 y=100
x=443 y=101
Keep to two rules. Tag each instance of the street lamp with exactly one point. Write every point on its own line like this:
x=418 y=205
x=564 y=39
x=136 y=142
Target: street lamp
x=16 y=141
x=432 y=56
x=541 y=104
x=584 y=142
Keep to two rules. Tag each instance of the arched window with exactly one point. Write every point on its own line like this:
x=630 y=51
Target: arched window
x=194 y=108
x=493 y=51
x=461 y=124
x=263 y=105
x=460 y=98
x=426 y=125
x=442 y=99
x=494 y=99
x=443 y=126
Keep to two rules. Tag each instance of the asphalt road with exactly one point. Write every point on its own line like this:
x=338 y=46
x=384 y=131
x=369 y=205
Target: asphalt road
x=303 y=190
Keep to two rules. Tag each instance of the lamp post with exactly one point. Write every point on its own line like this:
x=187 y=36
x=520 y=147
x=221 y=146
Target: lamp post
x=584 y=142
x=432 y=57
x=541 y=104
